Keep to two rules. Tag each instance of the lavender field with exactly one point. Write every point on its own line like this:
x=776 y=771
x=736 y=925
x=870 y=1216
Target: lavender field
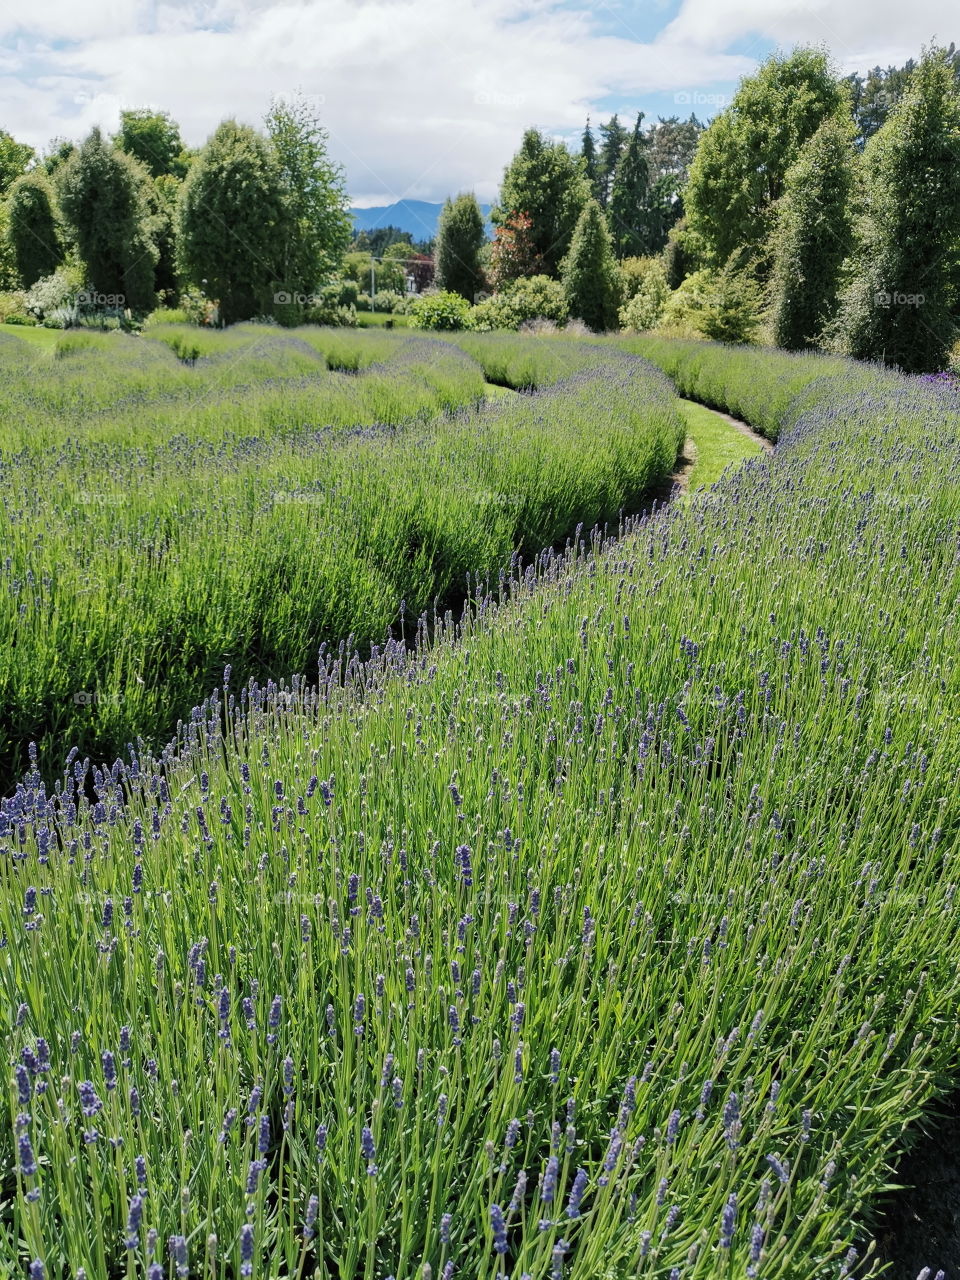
x=608 y=930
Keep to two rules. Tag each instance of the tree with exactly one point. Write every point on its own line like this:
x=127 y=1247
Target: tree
x=318 y=229
x=625 y=210
x=873 y=97
x=614 y=137
x=514 y=253
x=380 y=239
x=645 y=292
x=741 y=163
x=897 y=305
x=58 y=152
x=33 y=227
x=460 y=237
x=545 y=184
x=153 y=138
x=14 y=158
x=813 y=235
x=103 y=196
x=234 y=221
x=590 y=279
x=591 y=161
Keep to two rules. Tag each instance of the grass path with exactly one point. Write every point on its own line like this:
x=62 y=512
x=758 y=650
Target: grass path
x=718 y=441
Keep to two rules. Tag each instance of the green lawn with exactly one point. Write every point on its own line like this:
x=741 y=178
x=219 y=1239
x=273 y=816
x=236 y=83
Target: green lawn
x=718 y=444
x=44 y=338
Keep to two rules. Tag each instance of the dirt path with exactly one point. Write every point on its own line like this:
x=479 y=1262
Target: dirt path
x=765 y=444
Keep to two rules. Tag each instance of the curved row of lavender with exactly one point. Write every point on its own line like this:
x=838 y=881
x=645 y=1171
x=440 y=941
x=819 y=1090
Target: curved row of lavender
x=612 y=934
x=167 y=520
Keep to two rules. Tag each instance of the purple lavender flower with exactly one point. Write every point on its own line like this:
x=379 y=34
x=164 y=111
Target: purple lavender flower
x=673 y=1127
x=549 y=1189
x=90 y=1104
x=134 y=1218
x=560 y=1249
x=499 y=1228
x=576 y=1193
x=24 y=1087
x=178 y=1251
x=253 y=1175
x=109 y=1069
x=310 y=1218
x=555 y=1066
x=37 y=1270
x=263 y=1137
x=28 y=1163
x=728 y=1222
x=246 y=1249
x=781 y=1172
x=445 y=1221
x=369 y=1150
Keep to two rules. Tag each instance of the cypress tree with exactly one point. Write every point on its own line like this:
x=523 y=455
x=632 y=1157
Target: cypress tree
x=460 y=238
x=813 y=235
x=590 y=279
x=33 y=228
x=625 y=211
x=897 y=306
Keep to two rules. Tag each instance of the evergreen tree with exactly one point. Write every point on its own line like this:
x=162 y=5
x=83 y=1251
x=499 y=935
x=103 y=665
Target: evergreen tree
x=33 y=228
x=591 y=161
x=590 y=280
x=234 y=221
x=626 y=208
x=738 y=172
x=460 y=238
x=103 y=196
x=614 y=138
x=545 y=184
x=813 y=235
x=897 y=305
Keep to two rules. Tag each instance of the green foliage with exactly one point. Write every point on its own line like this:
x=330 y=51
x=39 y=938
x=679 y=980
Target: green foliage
x=234 y=222
x=14 y=158
x=33 y=227
x=529 y=298
x=897 y=306
x=590 y=281
x=460 y=238
x=590 y=161
x=442 y=310
x=545 y=184
x=613 y=140
x=628 y=195
x=317 y=229
x=645 y=291
x=721 y=305
x=153 y=138
x=13 y=308
x=875 y=95
x=813 y=237
x=741 y=163
x=104 y=197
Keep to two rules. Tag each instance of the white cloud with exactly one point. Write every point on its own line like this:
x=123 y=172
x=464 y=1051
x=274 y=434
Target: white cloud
x=421 y=97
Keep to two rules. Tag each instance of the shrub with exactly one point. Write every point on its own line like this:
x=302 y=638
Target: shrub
x=442 y=310
x=13 y=308
x=167 y=315
x=646 y=289
x=56 y=293
x=721 y=305
x=529 y=298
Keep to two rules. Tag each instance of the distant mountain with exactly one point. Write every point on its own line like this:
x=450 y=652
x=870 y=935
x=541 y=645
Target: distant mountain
x=419 y=217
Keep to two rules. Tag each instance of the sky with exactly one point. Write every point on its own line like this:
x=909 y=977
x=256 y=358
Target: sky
x=421 y=98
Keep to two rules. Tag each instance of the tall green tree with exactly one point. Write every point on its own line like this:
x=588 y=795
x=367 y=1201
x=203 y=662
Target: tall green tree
x=545 y=184
x=614 y=137
x=460 y=239
x=153 y=138
x=318 y=230
x=814 y=235
x=14 y=158
x=234 y=221
x=103 y=196
x=874 y=95
x=33 y=227
x=739 y=171
x=591 y=160
x=591 y=282
x=627 y=205
x=897 y=307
